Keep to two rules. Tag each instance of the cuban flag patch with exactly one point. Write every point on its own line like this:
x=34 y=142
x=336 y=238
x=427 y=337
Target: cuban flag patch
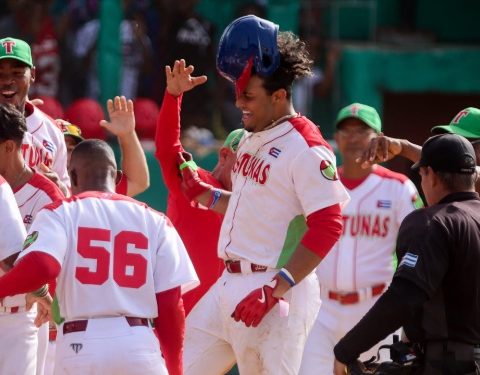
x=275 y=152
x=384 y=203
x=409 y=260
x=48 y=145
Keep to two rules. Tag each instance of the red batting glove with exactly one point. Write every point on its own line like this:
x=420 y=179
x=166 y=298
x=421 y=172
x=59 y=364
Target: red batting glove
x=192 y=186
x=256 y=305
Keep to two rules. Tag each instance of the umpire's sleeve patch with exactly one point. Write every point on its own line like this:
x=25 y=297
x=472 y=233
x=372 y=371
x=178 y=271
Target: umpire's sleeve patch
x=409 y=260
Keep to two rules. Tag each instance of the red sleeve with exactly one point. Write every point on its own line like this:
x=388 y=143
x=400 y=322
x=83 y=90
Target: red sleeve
x=170 y=327
x=324 y=229
x=167 y=141
x=30 y=273
x=122 y=186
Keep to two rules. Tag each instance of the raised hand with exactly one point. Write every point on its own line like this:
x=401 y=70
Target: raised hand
x=122 y=119
x=179 y=79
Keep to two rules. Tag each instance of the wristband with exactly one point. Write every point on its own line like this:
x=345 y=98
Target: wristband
x=216 y=194
x=287 y=276
x=41 y=292
x=188 y=164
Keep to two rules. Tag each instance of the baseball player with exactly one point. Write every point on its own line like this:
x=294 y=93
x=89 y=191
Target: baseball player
x=18 y=349
x=112 y=274
x=360 y=266
x=283 y=214
x=201 y=239
x=433 y=294
x=32 y=192
x=43 y=144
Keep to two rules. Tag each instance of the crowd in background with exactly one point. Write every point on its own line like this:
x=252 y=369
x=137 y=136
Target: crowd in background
x=64 y=35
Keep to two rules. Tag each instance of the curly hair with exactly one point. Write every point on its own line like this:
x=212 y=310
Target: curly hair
x=295 y=62
x=12 y=124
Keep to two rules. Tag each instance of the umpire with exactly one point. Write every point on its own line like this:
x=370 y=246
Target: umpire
x=435 y=292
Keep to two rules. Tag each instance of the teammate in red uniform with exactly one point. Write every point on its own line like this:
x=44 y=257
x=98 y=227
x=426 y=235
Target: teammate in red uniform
x=113 y=274
x=198 y=228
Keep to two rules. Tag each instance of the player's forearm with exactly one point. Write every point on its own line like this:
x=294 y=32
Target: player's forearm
x=30 y=273
x=167 y=134
x=301 y=264
x=134 y=163
x=170 y=326
x=410 y=150
x=324 y=229
x=207 y=199
x=392 y=310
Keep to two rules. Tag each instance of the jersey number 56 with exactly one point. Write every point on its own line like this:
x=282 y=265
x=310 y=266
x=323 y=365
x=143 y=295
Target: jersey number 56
x=129 y=269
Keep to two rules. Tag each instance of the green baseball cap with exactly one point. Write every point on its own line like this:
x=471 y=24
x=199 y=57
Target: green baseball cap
x=364 y=113
x=466 y=123
x=11 y=48
x=233 y=139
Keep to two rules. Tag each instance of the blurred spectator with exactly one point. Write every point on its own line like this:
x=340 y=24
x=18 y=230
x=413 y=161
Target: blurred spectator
x=320 y=84
x=31 y=21
x=136 y=51
x=51 y=106
x=146 y=111
x=189 y=36
x=87 y=114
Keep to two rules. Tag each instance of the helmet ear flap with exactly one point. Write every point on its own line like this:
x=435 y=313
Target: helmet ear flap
x=246 y=38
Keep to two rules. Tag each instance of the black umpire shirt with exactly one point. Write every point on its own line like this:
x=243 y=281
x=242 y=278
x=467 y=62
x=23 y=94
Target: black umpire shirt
x=435 y=292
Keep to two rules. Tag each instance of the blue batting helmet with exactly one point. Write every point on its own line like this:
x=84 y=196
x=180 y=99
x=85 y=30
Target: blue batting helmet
x=248 y=42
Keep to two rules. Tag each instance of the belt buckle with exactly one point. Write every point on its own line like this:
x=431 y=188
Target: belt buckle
x=258 y=268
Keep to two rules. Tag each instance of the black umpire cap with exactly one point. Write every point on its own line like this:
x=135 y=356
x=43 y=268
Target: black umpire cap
x=450 y=153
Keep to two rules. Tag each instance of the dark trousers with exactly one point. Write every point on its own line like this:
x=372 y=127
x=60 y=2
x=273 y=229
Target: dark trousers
x=450 y=358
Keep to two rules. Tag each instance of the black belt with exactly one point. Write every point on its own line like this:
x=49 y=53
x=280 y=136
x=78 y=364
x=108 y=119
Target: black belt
x=81 y=325
x=454 y=349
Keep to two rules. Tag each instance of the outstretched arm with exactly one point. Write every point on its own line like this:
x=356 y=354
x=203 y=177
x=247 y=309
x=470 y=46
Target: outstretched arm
x=167 y=136
x=383 y=148
x=122 y=125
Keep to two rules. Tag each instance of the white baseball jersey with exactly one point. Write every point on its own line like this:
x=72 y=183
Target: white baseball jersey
x=44 y=143
x=116 y=253
x=364 y=254
x=281 y=176
x=34 y=195
x=12 y=231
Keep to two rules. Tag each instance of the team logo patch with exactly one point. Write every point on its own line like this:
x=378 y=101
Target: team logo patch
x=275 y=152
x=382 y=203
x=76 y=347
x=328 y=170
x=31 y=238
x=28 y=219
x=417 y=201
x=409 y=260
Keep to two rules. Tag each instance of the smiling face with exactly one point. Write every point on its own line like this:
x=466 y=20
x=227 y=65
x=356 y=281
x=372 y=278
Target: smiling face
x=353 y=137
x=15 y=81
x=257 y=106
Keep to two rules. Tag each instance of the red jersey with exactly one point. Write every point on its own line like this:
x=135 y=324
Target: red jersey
x=198 y=228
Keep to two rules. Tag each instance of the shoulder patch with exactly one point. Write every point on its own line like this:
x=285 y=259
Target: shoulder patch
x=409 y=260
x=328 y=170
